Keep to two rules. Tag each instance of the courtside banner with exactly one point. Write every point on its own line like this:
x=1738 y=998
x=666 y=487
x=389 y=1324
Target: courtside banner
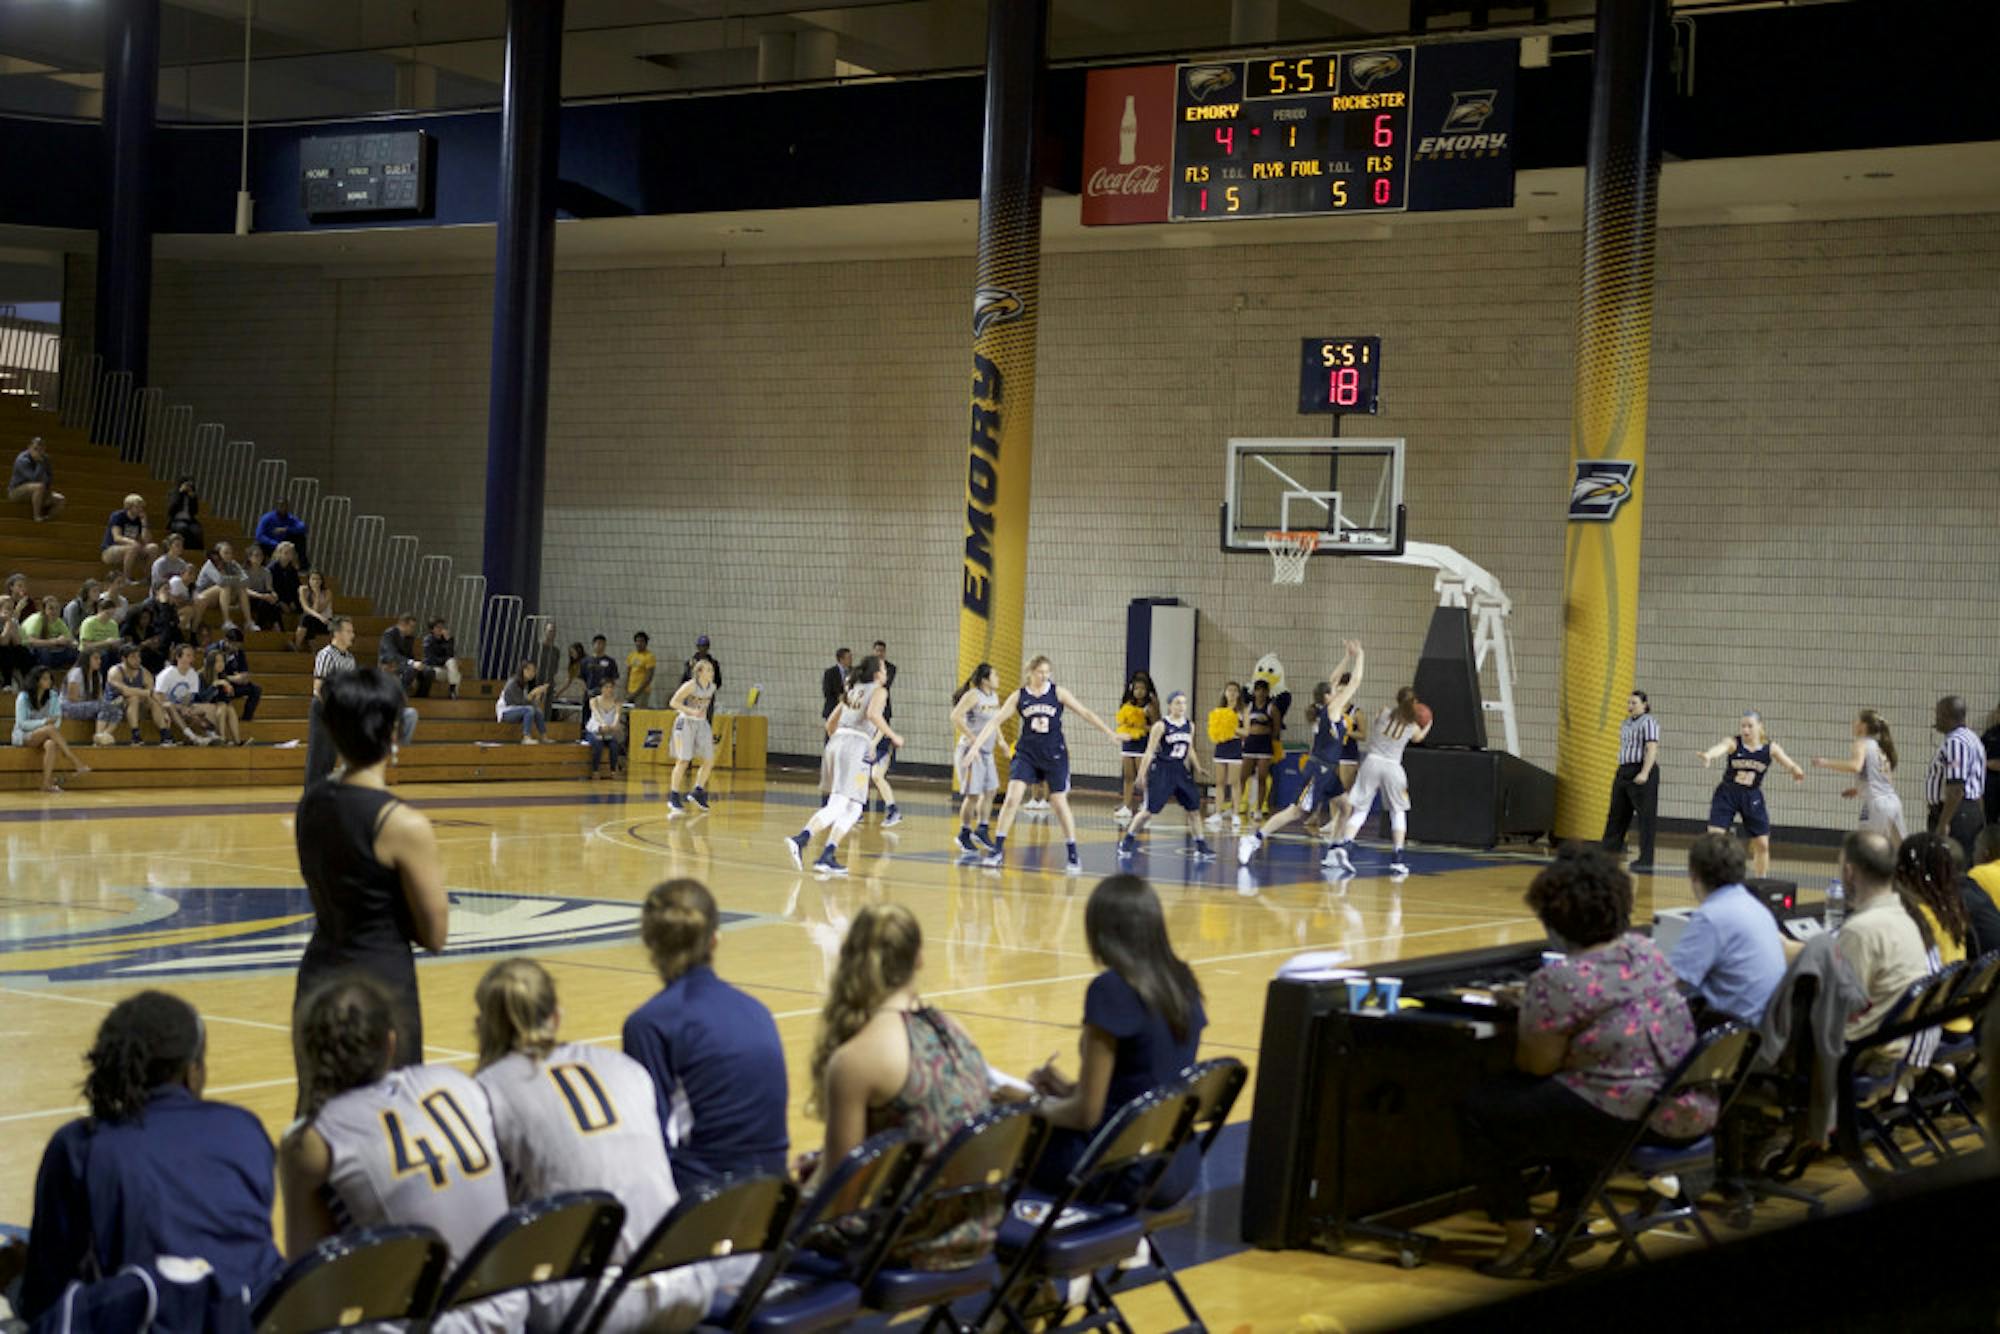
x=1128 y=144
x=1614 y=350
x=1000 y=454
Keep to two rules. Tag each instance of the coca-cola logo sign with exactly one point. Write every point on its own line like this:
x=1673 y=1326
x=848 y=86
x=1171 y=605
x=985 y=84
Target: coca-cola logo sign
x=1143 y=179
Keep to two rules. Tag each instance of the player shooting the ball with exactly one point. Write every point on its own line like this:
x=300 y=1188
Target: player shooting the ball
x=1381 y=772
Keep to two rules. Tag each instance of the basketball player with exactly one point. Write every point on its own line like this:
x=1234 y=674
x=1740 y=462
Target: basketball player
x=1138 y=710
x=1751 y=753
x=978 y=778
x=1041 y=756
x=1263 y=720
x=1381 y=772
x=1167 y=772
x=1322 y=767
x=569 y=1116
x=852 y=731
x=1225 y=729
x=376 y=1145
x=693 y=738
x=1873 y=760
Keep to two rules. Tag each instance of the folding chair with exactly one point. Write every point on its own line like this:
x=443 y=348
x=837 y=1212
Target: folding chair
x=381 y=1273
x=738 y=1217
x=1720 y=1059
x=1214 y=1085
x=564 y=1238
x=1087 y=1226
x=983 y=1166
x=866 y=1185
x=1870 y=1115
x=1954 y=1089
x=1773 y=1108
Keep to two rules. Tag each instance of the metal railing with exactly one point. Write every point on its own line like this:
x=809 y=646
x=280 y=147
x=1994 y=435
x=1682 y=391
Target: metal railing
x=355 y=551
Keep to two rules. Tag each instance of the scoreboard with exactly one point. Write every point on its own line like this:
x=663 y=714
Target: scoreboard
x=1340 y=375
x=375 y=175
x=1293 y=136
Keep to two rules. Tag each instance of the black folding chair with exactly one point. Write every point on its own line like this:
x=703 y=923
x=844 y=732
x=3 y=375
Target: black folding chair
x=381 y=1273
x=738 y=1217
x=1870 y=1114
x=564 y=1238
x=1955 y=1068
x=1763 y=1135
x=862 y=1190
x=1093 y=1222
x=981 y=1169
x=1720 y=1059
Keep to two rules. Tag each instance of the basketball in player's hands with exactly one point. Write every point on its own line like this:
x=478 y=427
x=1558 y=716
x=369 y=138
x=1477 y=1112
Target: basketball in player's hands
x=1423 y=715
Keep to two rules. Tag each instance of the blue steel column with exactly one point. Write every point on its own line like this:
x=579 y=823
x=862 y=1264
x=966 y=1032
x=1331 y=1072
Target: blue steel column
x=518 y=406
x=125 y=231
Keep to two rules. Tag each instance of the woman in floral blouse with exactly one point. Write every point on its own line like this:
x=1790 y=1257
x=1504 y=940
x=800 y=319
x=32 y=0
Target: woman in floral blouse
x=1599 y=1032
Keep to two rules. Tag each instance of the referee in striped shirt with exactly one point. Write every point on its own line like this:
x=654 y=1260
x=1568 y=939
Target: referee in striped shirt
x=1957 y=779
x=1636 y=789
x=332 y=661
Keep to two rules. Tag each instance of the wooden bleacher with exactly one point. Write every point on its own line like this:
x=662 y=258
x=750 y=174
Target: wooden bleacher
x=59 y=555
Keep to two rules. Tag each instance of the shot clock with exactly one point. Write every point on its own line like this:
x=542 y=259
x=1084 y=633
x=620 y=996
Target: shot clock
x=1292 y=136
x=1339 y=375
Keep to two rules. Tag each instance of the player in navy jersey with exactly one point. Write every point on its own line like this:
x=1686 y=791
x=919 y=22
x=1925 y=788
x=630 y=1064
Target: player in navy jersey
x=1322 y=767
x=1167 y=772
x=1040 y=756
x=1751 y=754
x=1263 y=722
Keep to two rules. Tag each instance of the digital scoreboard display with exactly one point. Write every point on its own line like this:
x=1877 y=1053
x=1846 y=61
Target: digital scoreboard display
x=379 y=175
x=1339 y=375
x=1293 y=136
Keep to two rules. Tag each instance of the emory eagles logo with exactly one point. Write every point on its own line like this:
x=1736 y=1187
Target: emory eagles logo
x=1366 y=71
x=1469 y=111
x=1601 y=486
x=994 y=305
x=1203 y=80
x=172 y=933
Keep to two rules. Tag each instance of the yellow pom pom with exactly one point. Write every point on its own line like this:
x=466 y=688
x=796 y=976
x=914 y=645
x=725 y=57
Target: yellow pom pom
x=1131 y=721
x=1222 y=724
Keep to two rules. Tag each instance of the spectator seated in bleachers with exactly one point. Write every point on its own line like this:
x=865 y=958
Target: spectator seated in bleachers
x=397 y=654
x=521 y=702
x=228 y=673
x=100 y=630
x=85 y=697
x=34 y=481
x=154 y=626
x=129 y=687
x=280 y=525
x=260 y=591
x=717 y=1063
x=286 y=575
x=315 y=612
x=128 y=540
x=83 y=604
x=221 y=585
x=441 y=657
x=605 y=730
x=16 y=658
x=38 y=726
x=187 y=699
x=154 y=1169
x=184 y=514
x=47 y=636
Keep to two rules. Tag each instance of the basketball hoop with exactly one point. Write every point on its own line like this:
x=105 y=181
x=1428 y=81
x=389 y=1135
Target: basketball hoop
x=1290 y=550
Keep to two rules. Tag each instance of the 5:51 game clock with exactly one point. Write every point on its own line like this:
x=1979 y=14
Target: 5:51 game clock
x=1339 y=375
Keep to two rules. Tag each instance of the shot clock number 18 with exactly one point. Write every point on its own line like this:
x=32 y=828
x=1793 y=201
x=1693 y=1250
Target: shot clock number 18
x=1339 y=375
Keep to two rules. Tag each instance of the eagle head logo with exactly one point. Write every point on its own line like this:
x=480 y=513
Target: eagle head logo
x=1206 y=80
x=1368 y=70
x=994 y=305
x=1600 y=488
x=1469 y=111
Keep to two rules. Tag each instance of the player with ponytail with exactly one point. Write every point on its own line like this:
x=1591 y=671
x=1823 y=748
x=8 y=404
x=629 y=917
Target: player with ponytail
x=1873 y=762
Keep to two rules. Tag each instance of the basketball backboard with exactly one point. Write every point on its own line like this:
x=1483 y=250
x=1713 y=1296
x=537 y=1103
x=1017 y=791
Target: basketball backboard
x=1349 y=492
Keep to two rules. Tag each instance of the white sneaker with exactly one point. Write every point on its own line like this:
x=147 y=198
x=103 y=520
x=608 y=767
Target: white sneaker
x=529 y=741
x=1397 y=868
x=1246 y=848
x=1337 y=859
x=1235 y=819
x=1214 y=821
x=1122 y=814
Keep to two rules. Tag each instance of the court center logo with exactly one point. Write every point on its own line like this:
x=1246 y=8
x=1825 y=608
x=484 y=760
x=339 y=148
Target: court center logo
x=167 y=934
x=1601 y=487
x=994 y=305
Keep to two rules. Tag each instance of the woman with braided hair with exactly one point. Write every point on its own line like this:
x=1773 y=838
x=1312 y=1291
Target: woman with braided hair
x=113 y=1188
x=885 y=1060
x=1927 y=871
x=378 y=1142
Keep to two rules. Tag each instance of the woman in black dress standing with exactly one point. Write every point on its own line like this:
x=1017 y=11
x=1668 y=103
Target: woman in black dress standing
x=370 y=862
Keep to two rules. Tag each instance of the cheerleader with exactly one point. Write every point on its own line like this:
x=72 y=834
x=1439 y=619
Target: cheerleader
x=1751 y=753
x=978 y=779
x=852 y=730
x=1263 y=720
x=1381 y=773
x=1322 y=767
x=1137 y=712
x=1040 y=756
x=1225 y=729
x=1168 y=773
x=693 y=738
x=1874 y=761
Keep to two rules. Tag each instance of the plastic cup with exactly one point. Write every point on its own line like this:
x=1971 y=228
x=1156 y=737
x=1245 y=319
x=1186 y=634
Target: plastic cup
x=1357 y=992
x=1388 y=990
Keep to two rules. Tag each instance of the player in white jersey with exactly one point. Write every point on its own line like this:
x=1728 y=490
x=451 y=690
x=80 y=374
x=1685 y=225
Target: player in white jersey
x=1381 y=773
x=978 y=777
x=693 y=738
x=1873 y=761
x=852 y=730
x=567 y=1116
x=376 y=1146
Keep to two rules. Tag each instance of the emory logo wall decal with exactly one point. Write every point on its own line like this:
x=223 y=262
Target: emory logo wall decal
x=1601 y=487
x=991 y=306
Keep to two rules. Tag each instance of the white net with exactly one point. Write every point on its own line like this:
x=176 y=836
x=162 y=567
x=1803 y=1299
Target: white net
x=1289 y=553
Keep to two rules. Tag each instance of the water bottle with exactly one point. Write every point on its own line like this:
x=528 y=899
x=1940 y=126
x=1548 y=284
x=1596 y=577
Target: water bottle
x=1836 y=904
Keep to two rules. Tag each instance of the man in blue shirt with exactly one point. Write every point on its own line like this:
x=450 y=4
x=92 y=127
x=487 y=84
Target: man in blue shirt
x=1731 y=957
x=598 y=668
x=279 y=524
x=713 y=1051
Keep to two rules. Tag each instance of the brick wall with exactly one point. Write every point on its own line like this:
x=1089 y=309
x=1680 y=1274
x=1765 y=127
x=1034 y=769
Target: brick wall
x=772 y=455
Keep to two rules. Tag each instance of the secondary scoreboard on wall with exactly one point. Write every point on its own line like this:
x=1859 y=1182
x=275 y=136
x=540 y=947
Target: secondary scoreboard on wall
x=1340 y=375
x=385 y=175
x=1302 y=134
x=1293 y=135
